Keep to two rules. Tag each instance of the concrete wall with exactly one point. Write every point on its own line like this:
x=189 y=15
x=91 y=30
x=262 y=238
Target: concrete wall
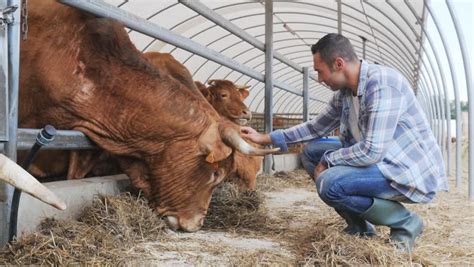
x=77 y=194
x=286 y=162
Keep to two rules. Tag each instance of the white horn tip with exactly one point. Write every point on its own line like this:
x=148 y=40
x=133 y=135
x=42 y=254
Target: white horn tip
x=60 y=205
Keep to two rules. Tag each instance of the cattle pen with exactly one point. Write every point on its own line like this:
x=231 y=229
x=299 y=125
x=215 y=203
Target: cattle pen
x=264 y=45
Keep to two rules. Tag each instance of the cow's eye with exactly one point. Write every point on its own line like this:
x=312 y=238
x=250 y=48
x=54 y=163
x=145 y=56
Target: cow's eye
x=224 y=95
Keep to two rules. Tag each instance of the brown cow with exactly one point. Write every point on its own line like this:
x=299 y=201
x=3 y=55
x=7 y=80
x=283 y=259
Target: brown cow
x=82 y=72
x=228 y=99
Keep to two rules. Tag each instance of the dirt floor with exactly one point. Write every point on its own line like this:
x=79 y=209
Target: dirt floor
x=283 y=223
x=307 y=232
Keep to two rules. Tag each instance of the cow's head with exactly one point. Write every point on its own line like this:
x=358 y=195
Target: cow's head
x=228 y=100
x=180 y=181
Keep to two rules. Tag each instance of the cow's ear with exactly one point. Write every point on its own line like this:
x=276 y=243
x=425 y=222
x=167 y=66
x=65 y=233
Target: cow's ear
x=212 y=146
x=218 y=152
x=243 y=93
x=204 y=90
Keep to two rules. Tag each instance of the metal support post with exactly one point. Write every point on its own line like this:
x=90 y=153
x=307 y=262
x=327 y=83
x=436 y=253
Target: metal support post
x=267 y=163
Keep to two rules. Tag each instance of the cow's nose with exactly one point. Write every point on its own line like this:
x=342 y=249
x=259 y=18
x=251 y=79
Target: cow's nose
x=172 y=222
x=246 y=114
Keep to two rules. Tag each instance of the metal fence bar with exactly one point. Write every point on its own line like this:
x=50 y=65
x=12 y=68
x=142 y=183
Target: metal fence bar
x=3 y=79
x=305 y=93
x=63 y=140
x=6 y=190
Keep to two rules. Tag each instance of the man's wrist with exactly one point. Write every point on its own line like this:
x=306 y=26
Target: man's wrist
x=266 y=139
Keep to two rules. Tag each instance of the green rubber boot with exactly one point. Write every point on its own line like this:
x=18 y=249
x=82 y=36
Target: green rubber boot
x=356 y=225
x=405 y=226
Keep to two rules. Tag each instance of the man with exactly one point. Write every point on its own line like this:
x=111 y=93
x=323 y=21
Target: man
x=387 y=152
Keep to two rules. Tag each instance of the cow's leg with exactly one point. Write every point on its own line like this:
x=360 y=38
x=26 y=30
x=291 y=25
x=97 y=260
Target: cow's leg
x=36 y=171
x=47 y=163
x=81 y=163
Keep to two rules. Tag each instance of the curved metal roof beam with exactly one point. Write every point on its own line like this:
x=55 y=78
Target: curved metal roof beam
x=233 y=19
x=402 y=68
x=408 y=75
x=429 y=99
x=470 y=94
x=439 y=65
x=432 y=93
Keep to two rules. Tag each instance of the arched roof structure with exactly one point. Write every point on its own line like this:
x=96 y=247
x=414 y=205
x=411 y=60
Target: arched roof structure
x=391 y=32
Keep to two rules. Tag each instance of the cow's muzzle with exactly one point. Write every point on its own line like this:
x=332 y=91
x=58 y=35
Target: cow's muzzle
x=188 y=225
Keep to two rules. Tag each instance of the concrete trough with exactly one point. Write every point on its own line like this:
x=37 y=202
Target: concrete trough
x=76 y=193
x=79 y=194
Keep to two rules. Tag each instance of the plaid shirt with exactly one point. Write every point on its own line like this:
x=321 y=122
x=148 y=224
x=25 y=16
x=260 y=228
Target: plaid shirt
x=395 y=133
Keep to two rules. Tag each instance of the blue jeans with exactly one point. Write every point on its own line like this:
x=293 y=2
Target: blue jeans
x=347 y=188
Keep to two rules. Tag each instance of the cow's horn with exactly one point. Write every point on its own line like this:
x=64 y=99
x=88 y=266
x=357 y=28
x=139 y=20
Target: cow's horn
x=239 y=86
x=15 y=175
x=211 y=82
x=233 y=138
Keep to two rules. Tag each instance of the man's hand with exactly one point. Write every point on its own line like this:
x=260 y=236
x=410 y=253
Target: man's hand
x=255 y=136
x=322 y=166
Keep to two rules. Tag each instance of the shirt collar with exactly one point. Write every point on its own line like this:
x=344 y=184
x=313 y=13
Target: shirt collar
x=364 y=68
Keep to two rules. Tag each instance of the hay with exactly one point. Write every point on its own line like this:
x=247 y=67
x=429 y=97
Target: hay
x=234 y=210
x=104 y=234
x=283 y=223
x=325 y=244
x=316 y=236
x=279 y=180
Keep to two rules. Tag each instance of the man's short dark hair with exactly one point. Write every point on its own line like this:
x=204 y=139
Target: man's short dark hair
x=334 y=45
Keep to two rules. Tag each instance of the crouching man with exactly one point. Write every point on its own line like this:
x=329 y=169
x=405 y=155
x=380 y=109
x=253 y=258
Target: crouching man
x=387 y=154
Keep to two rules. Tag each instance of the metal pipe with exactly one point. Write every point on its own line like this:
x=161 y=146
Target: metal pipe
x=450 y=63
x=470 y=94
x=339 y=16
x=4 y=72
x=267 y=164
x=6 y=190
x=44 y=137
x=64 y=140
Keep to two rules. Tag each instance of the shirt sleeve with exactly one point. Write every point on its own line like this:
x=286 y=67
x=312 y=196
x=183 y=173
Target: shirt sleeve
x=320 y=126
x=384 y=107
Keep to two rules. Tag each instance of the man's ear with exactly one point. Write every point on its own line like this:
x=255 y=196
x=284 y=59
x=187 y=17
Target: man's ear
x=339 y=63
